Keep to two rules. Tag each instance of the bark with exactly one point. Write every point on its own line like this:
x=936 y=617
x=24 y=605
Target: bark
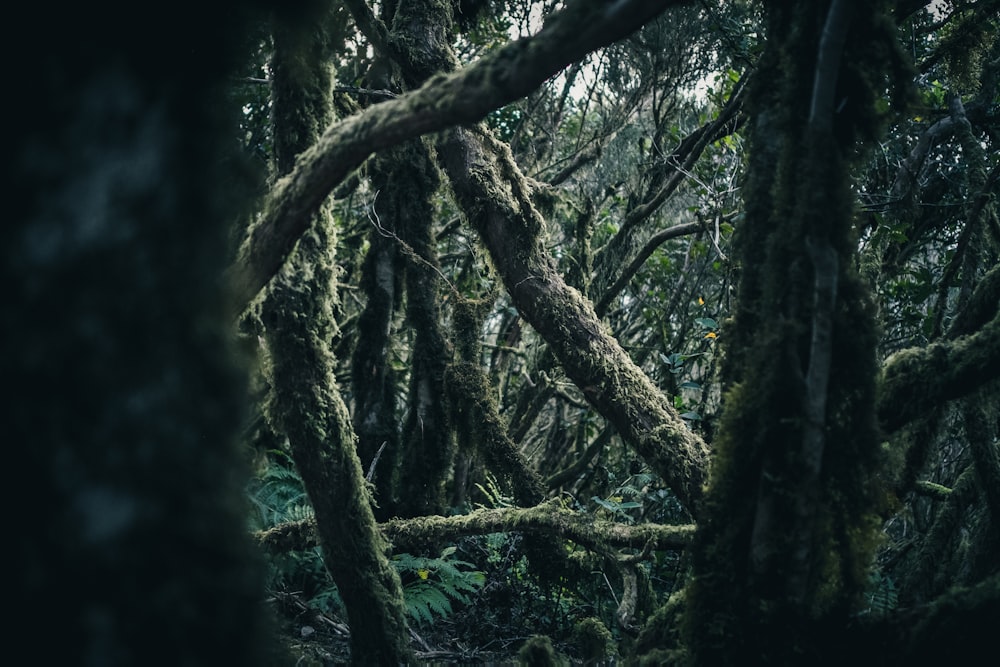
x=470 y=390
x=789 y=532
x=428 y=454
x=124 y=393
x=496 y=200
x=372 y=377
x=307 y=407
x=463 y=97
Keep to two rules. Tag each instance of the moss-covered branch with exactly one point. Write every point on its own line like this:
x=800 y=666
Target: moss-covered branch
x=470 y=390
x=917 y=379
x=496 y=199
x=444 y=101
x=956 y=628
x=548 y=519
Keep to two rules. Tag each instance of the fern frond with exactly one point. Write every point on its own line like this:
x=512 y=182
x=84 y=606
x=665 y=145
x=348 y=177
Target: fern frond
x=436 y=582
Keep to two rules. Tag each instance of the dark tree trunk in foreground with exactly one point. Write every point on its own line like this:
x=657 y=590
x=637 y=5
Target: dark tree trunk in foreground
x=791 y=526
x=123 y=400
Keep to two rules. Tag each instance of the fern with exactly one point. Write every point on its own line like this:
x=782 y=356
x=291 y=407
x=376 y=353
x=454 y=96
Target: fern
x=432 y=584
x=493 y=494
x=881 y=597
x=278 y=495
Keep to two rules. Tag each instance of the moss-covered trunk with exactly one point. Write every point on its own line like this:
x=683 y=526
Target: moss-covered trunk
x=790 y=526
x=305 y=403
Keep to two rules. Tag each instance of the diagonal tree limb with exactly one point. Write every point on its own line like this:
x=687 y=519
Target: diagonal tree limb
x=652 y=244
x=683 y=158
x=496 y=200
x=446 y=100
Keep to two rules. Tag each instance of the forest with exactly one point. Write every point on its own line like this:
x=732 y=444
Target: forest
x=542 y=332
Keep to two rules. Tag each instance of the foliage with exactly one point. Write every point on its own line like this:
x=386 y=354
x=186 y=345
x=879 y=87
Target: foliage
x=431 y=584
x=277 y=494
x=881 y=598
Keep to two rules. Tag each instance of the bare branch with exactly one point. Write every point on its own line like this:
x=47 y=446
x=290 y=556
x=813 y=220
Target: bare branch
x=655 y=242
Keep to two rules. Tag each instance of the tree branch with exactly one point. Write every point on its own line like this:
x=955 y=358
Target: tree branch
x=831 y=45
x=612 y=255
x=464 y=97
x=494 y=197
x=548 y=519
x=652 y=244
x=917 y=379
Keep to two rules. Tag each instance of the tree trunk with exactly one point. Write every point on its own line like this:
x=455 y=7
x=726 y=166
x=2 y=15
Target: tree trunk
x=790 y=529
x=305 y=404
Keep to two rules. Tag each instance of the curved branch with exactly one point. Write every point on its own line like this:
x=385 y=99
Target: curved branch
x=463 y=97
x=682 y=159
x=652 y=244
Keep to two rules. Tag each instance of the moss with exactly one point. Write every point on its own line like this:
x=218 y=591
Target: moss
x=494 y=197
x=593 y=641
x=305 y=404
x=660 y=640
x=409 y=181
x=957 y=628
x=538 y=651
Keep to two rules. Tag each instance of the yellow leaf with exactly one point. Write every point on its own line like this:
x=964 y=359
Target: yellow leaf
x=701 y=302
x=711 y=334
x=423 y=573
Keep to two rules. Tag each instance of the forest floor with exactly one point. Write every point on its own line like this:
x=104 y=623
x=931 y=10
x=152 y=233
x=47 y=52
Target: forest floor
x=316 y=640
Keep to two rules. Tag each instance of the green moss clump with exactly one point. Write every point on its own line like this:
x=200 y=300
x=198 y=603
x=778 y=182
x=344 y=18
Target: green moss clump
x=594 y=641
x=539 y=652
